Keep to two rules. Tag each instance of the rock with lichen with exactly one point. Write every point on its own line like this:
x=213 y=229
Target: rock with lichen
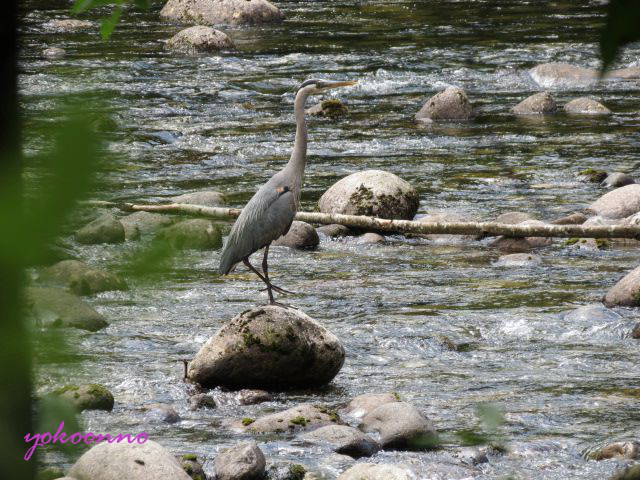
x=192 y=466
x=537 y=104
x=82 y=278
x=104 y=229
x=450 y=104
x=199 y=39
x=215 y=12
x=586 y=106
x=268 y=347
x=305 y=416
x=330 y=108
x=196 y=233
x=87 y=397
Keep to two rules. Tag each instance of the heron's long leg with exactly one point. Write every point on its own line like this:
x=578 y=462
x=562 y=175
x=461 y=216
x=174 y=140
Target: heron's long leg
x=265 y=270
x=265 y=280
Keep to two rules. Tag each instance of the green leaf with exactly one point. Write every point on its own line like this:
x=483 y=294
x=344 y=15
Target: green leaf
x=622 y=27
x=108 y=24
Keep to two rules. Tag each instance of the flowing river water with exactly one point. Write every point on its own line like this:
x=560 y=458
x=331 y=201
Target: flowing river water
x=225 y=122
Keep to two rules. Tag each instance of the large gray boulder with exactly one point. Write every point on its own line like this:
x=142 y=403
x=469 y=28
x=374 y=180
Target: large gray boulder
x=214 y=12
x=208 y=198
x=58 y=308
x=371 y=192
x=553 y=75
x=301 y=236
x=244 y=461
x=87 y=397
x=196 y=233
x=301 y=417
x=377 y=471
x=626 y=292
x=269 y=347
x=619 y=203
x=104 y=229
x=344 y=440
x=117 y=461
x=199 y=39
x=366 y=403
x=586 y=106
x=537 y=104
x=143 y=223
x=400 y=426
x=450 y=104
x=82 y=278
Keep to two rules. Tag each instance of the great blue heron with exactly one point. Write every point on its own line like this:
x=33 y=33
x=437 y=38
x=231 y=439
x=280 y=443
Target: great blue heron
x=270 y=212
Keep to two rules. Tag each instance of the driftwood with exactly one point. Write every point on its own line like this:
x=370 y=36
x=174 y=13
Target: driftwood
x=401 y=226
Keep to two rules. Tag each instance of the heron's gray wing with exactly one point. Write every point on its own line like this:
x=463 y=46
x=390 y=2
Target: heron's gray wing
x=266 y=217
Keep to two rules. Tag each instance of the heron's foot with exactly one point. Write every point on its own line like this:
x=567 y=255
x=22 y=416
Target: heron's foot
x=279 y=290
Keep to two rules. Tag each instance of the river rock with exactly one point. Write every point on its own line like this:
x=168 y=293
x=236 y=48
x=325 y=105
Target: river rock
x=69 y=25
x=248 y=396
x=54 y=52
x=519 y=260
x=635 y=332
x=629 y=73
x=374 y=471
x=364 y=404
x=344 y=440
x=213 y=12
x=371 y=192
x=541 y=103
x=626 y=292
x=58 y=308
x=82 y=278
x=624 y=450
x=593 y=313
x=208 y=198
x=161 y=412
x=301 y=235
x=619 y=203
x=400 y=426
x=450 y=104
x=199 y=39
x=586 y=106
x=196 y=233
x=330 y=108
x=551 y=75
x=335 y=230
x=201 y=400
x=269 y=347
x=104 y=229
x=444 y=238
x=143 y=223
x=521 y=244
x=370 y=238
x=244 y=461
x=576 y=218
x=513 y=217
x=192 y=467
x=87 y=397
x=617 y=180
x=593 y=175
x=301 y=417
x=632 y=472
x=133 y=461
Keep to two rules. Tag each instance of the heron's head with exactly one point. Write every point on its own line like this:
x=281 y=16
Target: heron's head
x=315 y=85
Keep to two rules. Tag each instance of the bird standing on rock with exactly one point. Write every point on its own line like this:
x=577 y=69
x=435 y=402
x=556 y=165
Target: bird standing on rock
x=270 y=212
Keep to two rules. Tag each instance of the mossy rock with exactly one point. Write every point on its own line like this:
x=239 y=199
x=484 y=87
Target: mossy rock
x=330 y=108
x=197 y=233
x=87 y=397
x=83 y=279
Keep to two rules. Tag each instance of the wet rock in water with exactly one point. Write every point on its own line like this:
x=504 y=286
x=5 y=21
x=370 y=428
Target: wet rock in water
x=400 y=426
x=301 y=236
x=630 y=473
x=133 y=461
x=69 y=25
x=617 y=180
x=373 y=471
x=191 y=466
x=592 y=175
x=576 y=218
x=370 y=238
x=253 y=397
x=143 y=223
x=450 y=104
x=626 y=292
x=549 y=75
x=623 y=450
x=521 y=244
x=197 y=233
x=331 y=108
x=586 y=244
x=586 y=106
x=87 y=397
x=444 y=238
x=541 y=103
x=55 y=307
x=364 y=404
x=373 y=193
x=269 y=347
x=512 y=218
x=82 y=278
x=518 y=260
x=162 y=412
x=335 y=230
x=301 y=417
x=344 y=440
x=54 y=52
x=629 y=73
x=619 y=203
x=285 y=471
x=213 y=12
x=635 y=332
x=104 y=229
x=208 y=198
x=244 y=461
x=201 y=400
x=472 y=456
x=199 y=39
x=595 y=312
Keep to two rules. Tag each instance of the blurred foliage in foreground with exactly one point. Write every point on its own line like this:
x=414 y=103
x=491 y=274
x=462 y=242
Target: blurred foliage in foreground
x=621 y=28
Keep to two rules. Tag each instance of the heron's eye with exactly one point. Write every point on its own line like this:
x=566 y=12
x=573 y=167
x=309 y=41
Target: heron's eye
x=282 y=190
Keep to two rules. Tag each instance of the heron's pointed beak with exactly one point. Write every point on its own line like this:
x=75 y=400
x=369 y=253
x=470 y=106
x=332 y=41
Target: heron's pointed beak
x=331 y=85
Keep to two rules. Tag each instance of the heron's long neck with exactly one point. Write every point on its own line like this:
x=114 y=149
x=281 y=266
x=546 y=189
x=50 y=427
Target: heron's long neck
x=299 y=155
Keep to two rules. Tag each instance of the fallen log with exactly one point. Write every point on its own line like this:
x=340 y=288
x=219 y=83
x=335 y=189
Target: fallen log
x=400 y=226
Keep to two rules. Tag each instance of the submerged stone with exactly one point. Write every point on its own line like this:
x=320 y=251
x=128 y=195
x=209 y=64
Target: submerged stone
x=87 y=397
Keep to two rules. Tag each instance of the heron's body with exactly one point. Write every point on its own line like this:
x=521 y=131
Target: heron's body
x=270 y=212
